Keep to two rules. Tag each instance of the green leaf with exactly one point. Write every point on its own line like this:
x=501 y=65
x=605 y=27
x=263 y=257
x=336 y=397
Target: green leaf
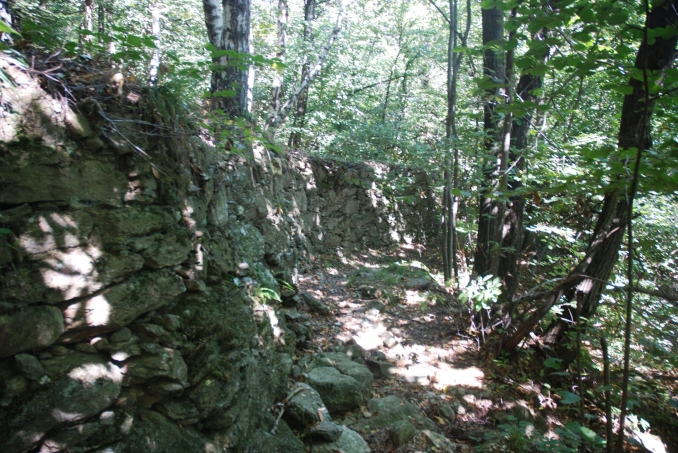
x=7 y=29
x=554 y=363
x=568 y=397
x=5 y=231
x=224 y=94
x=586 y=14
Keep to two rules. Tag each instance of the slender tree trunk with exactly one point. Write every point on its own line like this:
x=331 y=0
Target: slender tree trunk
x=302 y=102
x=493 y=68
x=228 y=28
x=504 y=162
x=586 y=282
x=155 y=31
x=451 y=162
x=278 y=79
x=87 y=20
x=450 y=130
x=512 y=241
x=101 y=21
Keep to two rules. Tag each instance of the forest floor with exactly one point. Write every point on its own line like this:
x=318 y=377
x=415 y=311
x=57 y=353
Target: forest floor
x=424 y=334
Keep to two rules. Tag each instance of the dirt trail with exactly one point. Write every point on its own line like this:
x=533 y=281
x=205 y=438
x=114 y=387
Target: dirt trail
x=415 y=331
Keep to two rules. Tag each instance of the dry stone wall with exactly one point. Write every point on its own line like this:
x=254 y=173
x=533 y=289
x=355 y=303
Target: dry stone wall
x=132 y=302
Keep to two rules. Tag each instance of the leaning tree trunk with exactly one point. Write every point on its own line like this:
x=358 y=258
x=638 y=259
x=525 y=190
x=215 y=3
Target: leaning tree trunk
x=278 y=78
x=493 y=68
x=301 y=105
x=587 y=281
x=228 y=28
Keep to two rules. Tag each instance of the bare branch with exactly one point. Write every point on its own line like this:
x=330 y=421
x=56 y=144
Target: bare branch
x=312 y=74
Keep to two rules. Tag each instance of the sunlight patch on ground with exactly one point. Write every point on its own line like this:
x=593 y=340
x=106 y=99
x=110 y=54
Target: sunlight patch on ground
x=414 y=297
x=431 y=366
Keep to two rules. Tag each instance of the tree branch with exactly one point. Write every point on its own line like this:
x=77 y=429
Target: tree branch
x=282 y=112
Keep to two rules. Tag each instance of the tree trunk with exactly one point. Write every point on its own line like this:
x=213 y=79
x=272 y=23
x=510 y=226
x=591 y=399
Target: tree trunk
x=155 y=31
x=512 y=242
x=587 y=281
x=87 y=20
x=302 y=102
x=278 y=80
x=228 y=28
x=493 y=68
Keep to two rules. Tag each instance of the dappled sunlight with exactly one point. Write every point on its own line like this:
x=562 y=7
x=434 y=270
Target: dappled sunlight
x=432 y=366
x=67 y=259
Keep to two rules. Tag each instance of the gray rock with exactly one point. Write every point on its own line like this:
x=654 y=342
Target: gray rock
x=86 y=389
x=167 y=364
x=117 y=226
x=401 y=432
x=115 y=268
x=349 y=442
x=304 y=407
x=355 y=352
x=388 y=339
x=389 y=410
x=417 y=283
x=205 y=396
x=32 y=328
x=121 y=351
x=314 y=304
x=154 y=429
x=447 y=412
x=283 y=441
x=324 y=431
x=341 y=393
x=181 y=411
x=86 y=347
x=58 y=350
x=29 y=366
x=440 y=442
x=380 y=368
x=121 y=304
x=370 y=292
x=170 y=250
x=92 y=181
x=14 y=386
x=155 y=333
x=171 y=323
x=121 y=335
x=71 y=437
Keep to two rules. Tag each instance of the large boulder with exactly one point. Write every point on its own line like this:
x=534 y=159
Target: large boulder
x=304 y=407
x=30 y=329
x=121 y=304
x=342 y=383
x=390 y=410
x=167 y=364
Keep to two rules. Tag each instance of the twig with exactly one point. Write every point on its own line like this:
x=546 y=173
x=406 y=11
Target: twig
x=277 y=419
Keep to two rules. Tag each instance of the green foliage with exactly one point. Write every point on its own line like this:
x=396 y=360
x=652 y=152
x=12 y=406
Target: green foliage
x=265 y=295
x=481 y=292
x=521 y=437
